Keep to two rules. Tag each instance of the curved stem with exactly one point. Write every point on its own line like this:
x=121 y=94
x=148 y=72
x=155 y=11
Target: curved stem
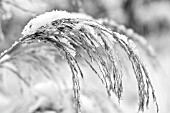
x=15 y=45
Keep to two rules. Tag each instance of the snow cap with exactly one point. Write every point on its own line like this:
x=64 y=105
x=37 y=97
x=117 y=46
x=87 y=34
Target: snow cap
x=46 y=18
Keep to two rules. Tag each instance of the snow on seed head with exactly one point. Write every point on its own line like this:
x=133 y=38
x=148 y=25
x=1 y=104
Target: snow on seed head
x=46 y=18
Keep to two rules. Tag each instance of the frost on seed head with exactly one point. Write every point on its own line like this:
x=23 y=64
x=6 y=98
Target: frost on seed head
x=129 y=42
x=46 y=18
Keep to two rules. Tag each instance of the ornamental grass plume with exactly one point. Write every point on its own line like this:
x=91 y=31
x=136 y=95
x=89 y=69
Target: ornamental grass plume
x=69 y=31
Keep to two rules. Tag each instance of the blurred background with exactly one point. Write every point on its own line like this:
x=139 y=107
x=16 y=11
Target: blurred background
x=149 y=18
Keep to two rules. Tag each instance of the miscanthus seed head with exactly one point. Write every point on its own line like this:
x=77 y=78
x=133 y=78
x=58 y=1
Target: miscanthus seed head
x=67 y=30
